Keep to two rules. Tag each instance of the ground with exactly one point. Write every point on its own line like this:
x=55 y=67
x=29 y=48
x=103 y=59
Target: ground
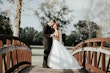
x=37 y=58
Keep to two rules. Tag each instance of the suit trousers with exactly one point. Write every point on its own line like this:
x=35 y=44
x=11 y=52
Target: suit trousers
x=47 y=49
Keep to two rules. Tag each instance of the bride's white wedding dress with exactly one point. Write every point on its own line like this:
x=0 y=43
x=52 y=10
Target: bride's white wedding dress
x=60 y=58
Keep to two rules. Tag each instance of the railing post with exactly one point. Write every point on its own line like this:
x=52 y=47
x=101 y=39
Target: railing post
x=103 y=44
x=88 y=55
x=18 y=53
x=8 y=42
x=103 y=62
x=80 y=58
x=1 y=44
x=108 y=65
x=84 y=56
x=95 y=59
x=89 y=44
x=95 y=55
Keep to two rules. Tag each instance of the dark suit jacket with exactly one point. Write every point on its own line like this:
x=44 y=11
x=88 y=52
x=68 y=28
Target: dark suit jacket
x=47 y=40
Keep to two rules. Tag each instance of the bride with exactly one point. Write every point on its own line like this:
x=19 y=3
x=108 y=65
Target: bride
x=59 y=57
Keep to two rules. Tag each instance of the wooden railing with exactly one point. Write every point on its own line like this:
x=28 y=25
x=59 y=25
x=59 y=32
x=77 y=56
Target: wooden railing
x=15 y=54
x=94 y=54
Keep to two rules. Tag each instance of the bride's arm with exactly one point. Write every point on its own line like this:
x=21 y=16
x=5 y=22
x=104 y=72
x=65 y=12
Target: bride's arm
x=56 y=36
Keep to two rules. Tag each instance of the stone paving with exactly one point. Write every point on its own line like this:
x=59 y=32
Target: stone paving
x=39 y=69
x=37 y=58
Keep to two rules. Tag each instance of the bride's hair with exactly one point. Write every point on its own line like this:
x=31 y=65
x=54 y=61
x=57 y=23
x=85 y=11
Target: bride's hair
x=57 y=26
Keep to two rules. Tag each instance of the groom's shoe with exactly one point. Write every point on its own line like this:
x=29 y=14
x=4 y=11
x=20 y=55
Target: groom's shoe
x=45 y=66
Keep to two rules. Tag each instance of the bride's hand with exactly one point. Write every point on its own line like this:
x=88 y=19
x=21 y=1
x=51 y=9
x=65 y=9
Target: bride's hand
x=52 y=35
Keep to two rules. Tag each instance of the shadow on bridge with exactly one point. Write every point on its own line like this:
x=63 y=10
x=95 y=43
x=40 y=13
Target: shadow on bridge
x=38 y=69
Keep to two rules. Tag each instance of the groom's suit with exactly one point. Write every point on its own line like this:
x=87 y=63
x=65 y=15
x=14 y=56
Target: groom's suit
x=47 y=43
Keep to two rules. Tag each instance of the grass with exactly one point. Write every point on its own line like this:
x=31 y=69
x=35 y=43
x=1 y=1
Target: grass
x=41 y=47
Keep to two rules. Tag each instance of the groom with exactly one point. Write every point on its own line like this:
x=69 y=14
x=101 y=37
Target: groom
x=47 y=41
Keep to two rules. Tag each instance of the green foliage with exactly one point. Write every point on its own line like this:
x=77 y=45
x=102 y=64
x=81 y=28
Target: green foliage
x=71 y=39
x=37 y=38
x=5 y=27
x=108 y=44
x=31 y=36
x=56 y=10
x=81 y=33
x=86 y=29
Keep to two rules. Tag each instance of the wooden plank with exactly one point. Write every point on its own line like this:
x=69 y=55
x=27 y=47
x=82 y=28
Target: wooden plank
x=103 y=44
x=81 y=57
x=78 y=56
x=95 y=54
x=14 y=59
x=89 y=57
x=95 y=59
x=8 y=56
x=88 y=44
x=103 y=62
x=18 y=53
x=95 y=69
x=1 y=45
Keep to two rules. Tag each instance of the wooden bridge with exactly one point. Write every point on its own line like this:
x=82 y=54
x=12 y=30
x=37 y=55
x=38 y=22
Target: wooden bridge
x=92 y=54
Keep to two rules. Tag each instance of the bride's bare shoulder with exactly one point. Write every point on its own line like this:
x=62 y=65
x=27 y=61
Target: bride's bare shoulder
x=58 y=36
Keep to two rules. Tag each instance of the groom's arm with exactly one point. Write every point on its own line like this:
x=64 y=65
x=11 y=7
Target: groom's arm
x=45 y=29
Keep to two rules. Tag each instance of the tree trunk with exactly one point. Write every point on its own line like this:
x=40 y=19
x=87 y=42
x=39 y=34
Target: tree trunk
x=17 y=18
x=89 y=24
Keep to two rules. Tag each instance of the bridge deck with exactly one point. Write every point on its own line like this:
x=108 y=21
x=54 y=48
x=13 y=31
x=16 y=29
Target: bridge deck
x=39 y=69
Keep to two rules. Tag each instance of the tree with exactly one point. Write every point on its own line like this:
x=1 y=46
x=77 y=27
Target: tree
x=5 y=27
x=27 y=34
x=38 y=38
x=54 y=9
x=31 y=36
x=98 y=11
x=89 y=16
x=17 y=18
x=83 y=30
x=71 y=40
x=103 y=14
